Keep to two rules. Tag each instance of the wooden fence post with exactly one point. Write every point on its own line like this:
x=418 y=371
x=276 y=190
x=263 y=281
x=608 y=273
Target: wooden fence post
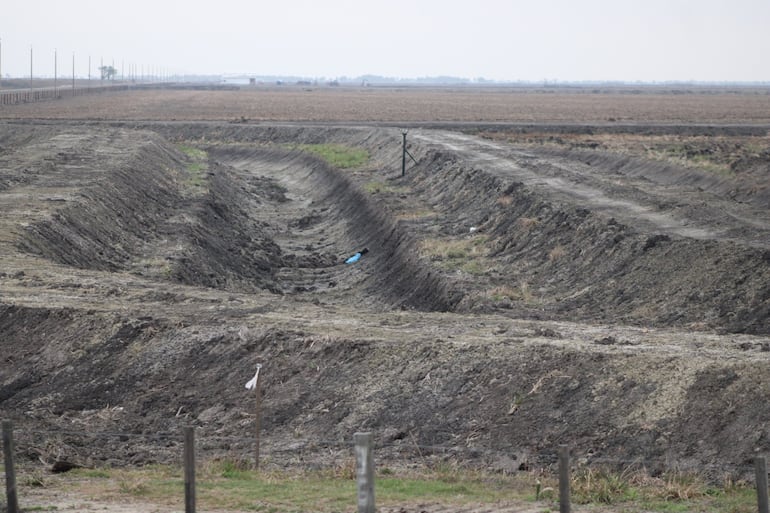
x=189 y=469
x=760 y=469
x=564 y=498
x=10 y=471
x=257 y=417
x=364 y=472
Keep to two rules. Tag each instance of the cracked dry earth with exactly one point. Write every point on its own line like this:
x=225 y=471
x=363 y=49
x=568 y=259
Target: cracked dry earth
x=512 y=299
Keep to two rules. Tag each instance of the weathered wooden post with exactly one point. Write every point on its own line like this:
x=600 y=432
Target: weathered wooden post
x=364 y=471
x=257 y=418
x=254 y=384
x=760 y=469
x=189 y=469
x=10 y=471
x=564 y=499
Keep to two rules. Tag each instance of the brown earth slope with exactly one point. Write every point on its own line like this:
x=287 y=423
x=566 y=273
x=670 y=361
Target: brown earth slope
x=513 y=299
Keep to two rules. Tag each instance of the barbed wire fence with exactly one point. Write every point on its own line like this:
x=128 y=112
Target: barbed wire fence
x=54 y=447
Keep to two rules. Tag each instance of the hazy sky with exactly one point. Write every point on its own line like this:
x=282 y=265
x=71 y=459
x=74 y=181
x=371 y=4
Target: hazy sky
x=710 y=40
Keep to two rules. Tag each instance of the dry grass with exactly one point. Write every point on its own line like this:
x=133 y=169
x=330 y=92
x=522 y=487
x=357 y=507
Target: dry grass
x=556 y=253
x=415 y=214
x=466 y=254
x=527 y=223
x=228 y=485
x=723 y=155
x=453 y=249
x=521 y=292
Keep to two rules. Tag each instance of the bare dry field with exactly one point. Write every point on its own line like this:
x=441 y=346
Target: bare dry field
x=416 y=104
x=556 y=267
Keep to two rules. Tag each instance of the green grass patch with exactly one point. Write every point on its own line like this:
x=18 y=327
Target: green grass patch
x=338 y=155
x=230 y=485
x=376 y=187
x=196 y=168
x=92 y=473
x=279 y=492
x=193 y=153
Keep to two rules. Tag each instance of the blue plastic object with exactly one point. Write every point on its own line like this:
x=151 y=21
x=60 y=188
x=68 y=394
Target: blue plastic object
x=353 y=259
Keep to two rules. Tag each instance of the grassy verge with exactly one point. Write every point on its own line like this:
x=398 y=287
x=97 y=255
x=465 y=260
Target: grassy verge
x=223 y=486
x=196 y=167
x=337 y=155
x=226 y=486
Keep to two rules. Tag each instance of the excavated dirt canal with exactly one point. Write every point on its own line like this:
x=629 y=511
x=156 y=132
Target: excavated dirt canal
x=512 y=299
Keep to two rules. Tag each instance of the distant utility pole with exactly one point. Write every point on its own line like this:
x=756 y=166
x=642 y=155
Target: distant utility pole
x=73 y=74
x=55 y=71
x=89 y=71
x=1 y=64
x=30 y=68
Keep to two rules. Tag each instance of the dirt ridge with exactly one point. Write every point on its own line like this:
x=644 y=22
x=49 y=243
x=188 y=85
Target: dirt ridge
x=147 y=344
x=746 y=187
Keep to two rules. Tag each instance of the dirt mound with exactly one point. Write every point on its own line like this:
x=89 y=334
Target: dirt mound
x=748 y=185
x=112 y=216
x=145 y=270
x=506 y=402
x=578 y=264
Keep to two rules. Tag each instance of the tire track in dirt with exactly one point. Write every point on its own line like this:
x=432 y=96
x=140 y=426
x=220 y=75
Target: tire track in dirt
x=641 y=203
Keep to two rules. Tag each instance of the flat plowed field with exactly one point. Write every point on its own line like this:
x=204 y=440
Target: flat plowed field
x=414 y=104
